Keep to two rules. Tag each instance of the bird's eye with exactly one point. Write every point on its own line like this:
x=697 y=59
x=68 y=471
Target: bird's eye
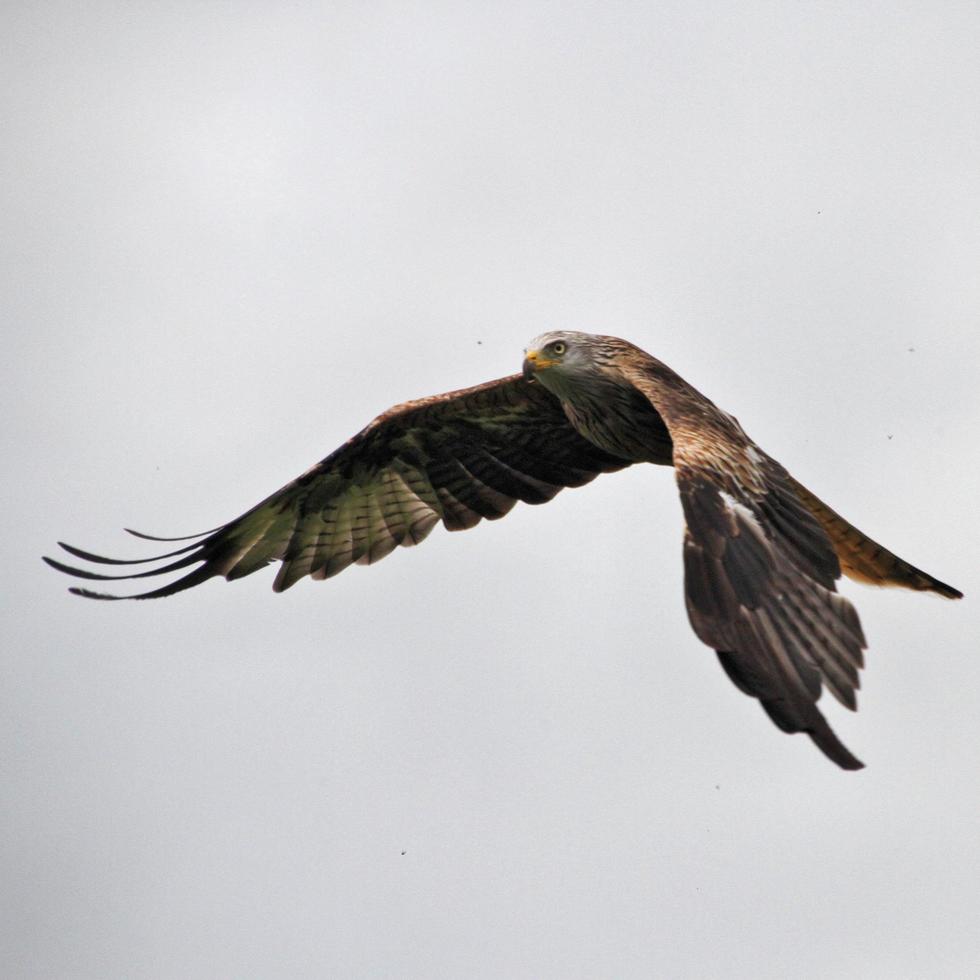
x=558 y=347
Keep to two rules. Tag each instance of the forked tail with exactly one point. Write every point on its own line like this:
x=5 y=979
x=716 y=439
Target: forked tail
x=865 y=560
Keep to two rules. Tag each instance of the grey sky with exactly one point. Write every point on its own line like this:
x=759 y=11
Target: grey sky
x=232 y=235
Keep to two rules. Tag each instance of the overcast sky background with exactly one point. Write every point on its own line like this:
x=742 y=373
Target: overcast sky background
x=232 y=234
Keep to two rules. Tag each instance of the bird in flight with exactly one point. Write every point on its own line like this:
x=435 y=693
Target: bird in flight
x=761 y=553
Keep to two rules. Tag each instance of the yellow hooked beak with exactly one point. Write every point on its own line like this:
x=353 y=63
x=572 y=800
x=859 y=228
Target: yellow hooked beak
x=535 y=361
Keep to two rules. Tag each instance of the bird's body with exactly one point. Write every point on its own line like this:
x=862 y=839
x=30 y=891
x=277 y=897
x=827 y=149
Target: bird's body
x=761 y=553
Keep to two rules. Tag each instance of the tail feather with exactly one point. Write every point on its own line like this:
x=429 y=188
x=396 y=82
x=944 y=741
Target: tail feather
x=863 y=559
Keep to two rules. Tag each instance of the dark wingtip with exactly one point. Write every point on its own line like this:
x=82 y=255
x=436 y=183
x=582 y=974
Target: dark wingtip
x=89 y=594
x=195 y=577
x=61 y=567
x=853 y=763
x=102 y=560
x=154 y=537
x=835 y=750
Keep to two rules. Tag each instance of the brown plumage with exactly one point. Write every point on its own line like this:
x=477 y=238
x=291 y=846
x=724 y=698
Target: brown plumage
x=761 y=553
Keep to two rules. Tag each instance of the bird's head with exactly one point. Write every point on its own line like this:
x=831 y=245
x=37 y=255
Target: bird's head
x=557 y=352
x=559 y=357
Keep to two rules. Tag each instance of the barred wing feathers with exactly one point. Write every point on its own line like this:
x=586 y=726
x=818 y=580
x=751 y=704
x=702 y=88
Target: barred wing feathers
x=456 y=458
x=759 y=569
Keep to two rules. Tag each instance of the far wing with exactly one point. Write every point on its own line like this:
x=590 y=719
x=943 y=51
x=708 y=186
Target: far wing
x=759 y=568
x=455 y=458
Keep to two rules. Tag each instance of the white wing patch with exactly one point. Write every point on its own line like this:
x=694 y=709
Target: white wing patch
x=737 y=509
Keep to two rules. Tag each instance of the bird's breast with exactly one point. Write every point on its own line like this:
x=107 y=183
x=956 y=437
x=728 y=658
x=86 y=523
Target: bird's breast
x=620 y=420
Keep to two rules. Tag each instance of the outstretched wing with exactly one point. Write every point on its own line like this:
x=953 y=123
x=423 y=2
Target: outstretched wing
x=456 y=458
x=759 y=569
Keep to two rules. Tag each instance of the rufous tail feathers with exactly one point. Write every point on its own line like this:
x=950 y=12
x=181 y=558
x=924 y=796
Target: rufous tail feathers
x=865 y=560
